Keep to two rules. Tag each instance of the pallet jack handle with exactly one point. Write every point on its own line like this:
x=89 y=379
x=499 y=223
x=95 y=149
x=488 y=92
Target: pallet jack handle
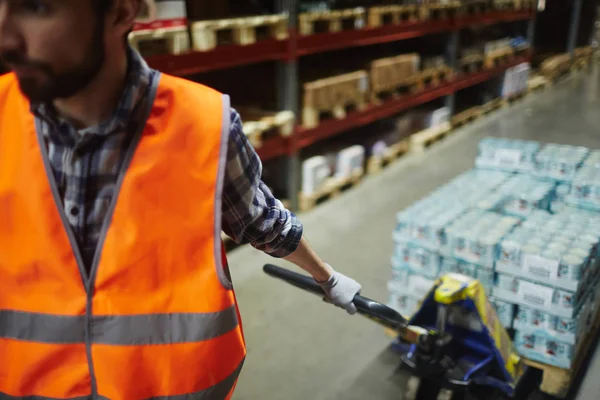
x=371 y=309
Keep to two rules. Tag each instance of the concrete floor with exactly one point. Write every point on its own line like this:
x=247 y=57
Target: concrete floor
x=301 y=348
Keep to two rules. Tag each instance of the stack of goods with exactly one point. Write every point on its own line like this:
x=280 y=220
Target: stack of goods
x=547 y=268
x=472 y=242
x=507 y=155
x=336 y=167
x=584 y=189
x=559 y=162
x=421 y=237
x=524 y=224
x=519 y=196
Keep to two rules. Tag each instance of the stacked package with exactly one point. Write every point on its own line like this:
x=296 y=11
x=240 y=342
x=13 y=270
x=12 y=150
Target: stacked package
x=422 y=246
x=547 y=268
x=515 y=80
x=525 y=224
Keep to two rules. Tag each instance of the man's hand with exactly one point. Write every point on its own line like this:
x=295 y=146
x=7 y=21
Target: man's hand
x=340 y=290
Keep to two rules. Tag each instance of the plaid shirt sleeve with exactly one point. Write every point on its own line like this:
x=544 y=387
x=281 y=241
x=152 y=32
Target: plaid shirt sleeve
x=251 y=214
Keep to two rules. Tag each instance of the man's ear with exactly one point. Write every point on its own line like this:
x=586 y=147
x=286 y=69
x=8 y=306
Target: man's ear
x=125 y=13
x=146 y=11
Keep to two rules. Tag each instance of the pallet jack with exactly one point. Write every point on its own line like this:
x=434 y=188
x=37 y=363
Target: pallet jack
x=457 y=348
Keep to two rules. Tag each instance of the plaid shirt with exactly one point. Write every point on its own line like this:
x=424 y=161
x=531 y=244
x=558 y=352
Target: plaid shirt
x=86 y=164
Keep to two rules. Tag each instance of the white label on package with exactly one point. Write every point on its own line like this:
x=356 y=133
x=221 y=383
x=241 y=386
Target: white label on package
x=508 y=157
x=535 y=295
x=540 y=267
x=420 y=286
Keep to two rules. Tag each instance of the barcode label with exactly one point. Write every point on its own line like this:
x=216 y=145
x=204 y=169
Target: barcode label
x=508 y=157
x=541 y=267
x=535 y=295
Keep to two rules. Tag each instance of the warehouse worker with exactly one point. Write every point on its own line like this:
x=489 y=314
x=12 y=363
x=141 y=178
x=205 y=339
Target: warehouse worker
x=115 y=183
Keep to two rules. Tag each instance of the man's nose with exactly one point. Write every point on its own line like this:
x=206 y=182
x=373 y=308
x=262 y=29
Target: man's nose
x=9 y=35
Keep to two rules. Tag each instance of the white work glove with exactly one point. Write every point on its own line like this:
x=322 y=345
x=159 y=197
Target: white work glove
x=340 y=291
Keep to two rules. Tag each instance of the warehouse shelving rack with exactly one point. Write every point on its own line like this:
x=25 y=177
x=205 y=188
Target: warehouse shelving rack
x=287 y=52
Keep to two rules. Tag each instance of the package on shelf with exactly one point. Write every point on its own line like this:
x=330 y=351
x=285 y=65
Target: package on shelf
x=349 y=161
x=507 y=154
x=313 y=6
x=475 y=237
x=433 y=62
x=505 y=312
x=584 y=190
x=494 y=45
x=520 y=196
x=390 y=73
x=548 y=351
x=560 y=251
x=438 y=117
x=156 y=14
x=515 y=79
x=519 y=43
x=559 y=162
x=315 y=171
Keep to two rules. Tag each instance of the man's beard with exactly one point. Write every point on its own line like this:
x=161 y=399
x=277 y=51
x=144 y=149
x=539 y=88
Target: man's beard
x=64 y=84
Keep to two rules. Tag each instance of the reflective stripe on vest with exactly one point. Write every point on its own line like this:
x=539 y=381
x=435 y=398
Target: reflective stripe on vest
x=117 y=330
x=156 y=318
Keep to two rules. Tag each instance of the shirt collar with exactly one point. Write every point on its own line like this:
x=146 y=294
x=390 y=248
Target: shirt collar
x=136 y=83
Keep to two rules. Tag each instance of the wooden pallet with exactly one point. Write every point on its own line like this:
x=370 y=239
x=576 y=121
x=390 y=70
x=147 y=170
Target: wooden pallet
x=332 y=20
x=260 y=125
x=582 y=58
x=491 y=106
x=474 y=7
x=557 y=381
x=525 y=4
x=555 y=66
x=506 y=4
x=515 y=97
x=496 y=58
x=332 y=187
x=421 y=140
x=439 y=11
x=206 y=35
x=389 y=75
x=392 y=15
x=430 y=77
x=149 y=42
x=376 y=163
x=466 y=116
x=536 y=83
x=333 y=95
x=471 y=63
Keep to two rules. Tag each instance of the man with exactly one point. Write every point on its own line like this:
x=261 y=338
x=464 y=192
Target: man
x=115 y=183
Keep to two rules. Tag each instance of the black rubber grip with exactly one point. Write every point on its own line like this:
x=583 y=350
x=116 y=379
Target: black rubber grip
x=370 y=308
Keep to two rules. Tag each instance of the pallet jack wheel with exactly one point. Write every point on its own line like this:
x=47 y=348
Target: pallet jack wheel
x=418 y=389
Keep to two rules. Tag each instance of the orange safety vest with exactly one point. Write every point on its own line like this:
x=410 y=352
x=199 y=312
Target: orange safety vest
x=157 y=316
